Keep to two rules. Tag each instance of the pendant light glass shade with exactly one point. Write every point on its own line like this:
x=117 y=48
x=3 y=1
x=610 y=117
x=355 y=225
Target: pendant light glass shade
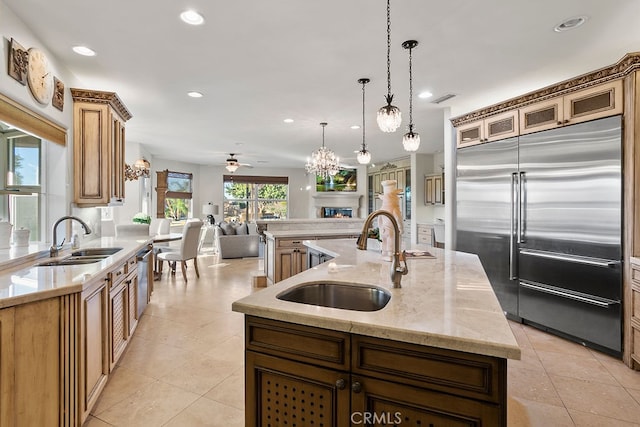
x=411 y=140
x=389 y=117
x=363 y=156
x=323 y=162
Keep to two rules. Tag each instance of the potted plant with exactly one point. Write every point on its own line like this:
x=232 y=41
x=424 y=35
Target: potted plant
x=141 y=218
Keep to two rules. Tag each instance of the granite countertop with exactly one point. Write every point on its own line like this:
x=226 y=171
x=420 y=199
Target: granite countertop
x=314 y=233
x=446 y=302
x=21 y=281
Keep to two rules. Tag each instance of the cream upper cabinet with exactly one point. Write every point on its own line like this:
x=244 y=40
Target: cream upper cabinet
x=492 y=128
x=587 y=104
x=98 y=147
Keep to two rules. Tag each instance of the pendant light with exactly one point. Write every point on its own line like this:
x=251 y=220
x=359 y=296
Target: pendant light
x=389 y=116
x=411 y=139
x=363 y=156
x=323 y=162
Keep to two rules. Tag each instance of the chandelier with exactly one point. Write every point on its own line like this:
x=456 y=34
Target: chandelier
x=389 y=116
x=323 y=162
x=140 y=169
x=411 y=139
x=363 y=156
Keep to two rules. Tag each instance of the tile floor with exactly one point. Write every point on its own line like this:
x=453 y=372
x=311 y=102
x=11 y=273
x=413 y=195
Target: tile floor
x=184 y=365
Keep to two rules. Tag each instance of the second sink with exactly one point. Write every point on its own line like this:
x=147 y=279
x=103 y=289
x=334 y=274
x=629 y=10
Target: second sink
x=96 y=251
x=345 y=296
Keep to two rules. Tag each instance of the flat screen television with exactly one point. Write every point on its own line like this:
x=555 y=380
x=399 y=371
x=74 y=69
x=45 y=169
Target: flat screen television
x=344 y=180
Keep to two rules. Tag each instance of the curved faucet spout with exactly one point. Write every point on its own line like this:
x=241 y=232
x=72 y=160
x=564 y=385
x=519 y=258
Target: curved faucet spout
x=397 y=270
x=53 y=250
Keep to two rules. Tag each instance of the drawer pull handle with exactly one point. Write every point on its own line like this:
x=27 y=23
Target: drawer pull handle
x=356 y=387
x=340 y=384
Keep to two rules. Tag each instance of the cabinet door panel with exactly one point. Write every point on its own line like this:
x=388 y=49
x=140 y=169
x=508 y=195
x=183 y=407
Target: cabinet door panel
x=282 y=392
x=428 y=191
x=470 y=134
x=94 y=333
x=501 y=126
x=118 y=323
x=593 y=103
x=406 y=405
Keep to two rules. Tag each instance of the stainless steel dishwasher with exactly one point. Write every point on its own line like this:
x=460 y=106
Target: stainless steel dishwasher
x=144 y=258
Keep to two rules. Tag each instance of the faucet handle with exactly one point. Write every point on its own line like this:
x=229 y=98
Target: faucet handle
x=403 y=257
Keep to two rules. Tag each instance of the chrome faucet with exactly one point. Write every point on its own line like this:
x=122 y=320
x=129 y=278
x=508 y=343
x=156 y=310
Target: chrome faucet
x=53 y=250
x=397 y=270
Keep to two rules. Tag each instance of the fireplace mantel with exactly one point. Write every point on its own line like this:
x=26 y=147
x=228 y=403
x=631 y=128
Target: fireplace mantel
x=336 y=200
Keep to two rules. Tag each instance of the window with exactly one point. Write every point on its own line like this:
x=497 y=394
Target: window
x=247 y=198
x=21 y=163
x=174 y=195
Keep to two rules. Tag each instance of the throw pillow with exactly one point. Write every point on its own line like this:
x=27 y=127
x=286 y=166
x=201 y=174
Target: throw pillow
x=241 y=228
x=227 y=228
x=252 y=227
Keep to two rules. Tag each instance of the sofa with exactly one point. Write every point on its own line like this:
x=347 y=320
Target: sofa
x=237 y=240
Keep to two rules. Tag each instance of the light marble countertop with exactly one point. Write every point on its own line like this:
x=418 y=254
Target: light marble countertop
x=21 y=281
x=446 y=302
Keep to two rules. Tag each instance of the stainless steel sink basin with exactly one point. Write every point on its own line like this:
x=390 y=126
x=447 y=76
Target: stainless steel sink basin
x=69 y=261
x=345 y=296
x=96 y=251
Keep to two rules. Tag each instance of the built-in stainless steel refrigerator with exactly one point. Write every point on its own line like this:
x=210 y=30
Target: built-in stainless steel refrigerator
x=543 y=212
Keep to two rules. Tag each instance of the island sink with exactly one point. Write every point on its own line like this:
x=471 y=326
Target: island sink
x=345 y=296
x=96 y=251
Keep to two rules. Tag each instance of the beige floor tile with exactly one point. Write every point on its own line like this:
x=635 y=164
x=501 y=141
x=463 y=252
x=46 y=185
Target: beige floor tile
x=123 y=382
x=544 y=341
x=229 y=349
x=634 y=393
x=520 y=334
x=151 y=406
x=584 y=419
x=205 y=412
x=580 y=367
x=597 y=398
x=627 y=377
x=202 y=374
x=532 y=385
x=230 y=391
x=153 y=359
x=528 y=413
x=528 y=360
x=95 y=422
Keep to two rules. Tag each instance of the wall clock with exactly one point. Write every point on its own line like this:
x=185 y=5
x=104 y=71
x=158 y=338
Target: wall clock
x=39 y=76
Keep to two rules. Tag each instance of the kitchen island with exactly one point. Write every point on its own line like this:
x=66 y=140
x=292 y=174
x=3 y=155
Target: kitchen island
x=436 y=353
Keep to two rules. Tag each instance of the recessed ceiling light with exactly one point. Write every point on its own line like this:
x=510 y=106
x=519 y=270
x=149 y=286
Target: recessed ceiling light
x=355 y=127
x=84 y=51
x=425 y=95
x=195 y=94
x=288 y=120
x=570 y=24
x=192 y=17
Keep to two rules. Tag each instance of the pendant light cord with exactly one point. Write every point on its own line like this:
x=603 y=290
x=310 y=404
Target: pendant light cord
x=363 y=144
x=410 y=91
x=388 y=48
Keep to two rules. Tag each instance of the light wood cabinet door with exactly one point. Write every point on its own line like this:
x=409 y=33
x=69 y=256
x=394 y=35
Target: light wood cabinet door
x=98 y=147
x=634 y=339
x=7 y=366
x=501 y=126
x=290 y=262
x=92 y=152
x=132 y=305
x=400 y=177
x=599 y=101
x=542 y=116
x=470 y=134
x=94 y=353
x=118 y=322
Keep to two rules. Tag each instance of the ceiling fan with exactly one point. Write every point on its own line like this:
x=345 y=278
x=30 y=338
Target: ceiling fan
x=232 y=163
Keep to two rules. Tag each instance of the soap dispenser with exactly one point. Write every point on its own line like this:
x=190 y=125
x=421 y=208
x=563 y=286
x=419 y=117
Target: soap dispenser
x=75 y=241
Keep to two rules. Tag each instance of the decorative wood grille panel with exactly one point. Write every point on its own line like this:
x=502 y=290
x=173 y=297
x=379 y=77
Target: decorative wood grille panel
x=501 y=126
x=294 y=402
x=591 y=104
x=540 y=117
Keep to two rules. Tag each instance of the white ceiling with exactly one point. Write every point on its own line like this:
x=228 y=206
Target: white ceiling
x=258 y=62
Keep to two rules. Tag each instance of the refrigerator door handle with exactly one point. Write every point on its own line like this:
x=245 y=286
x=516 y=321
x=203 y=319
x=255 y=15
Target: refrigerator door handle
x=596 y=262
x=576 y=296
x=513 y=274
x=522 y=200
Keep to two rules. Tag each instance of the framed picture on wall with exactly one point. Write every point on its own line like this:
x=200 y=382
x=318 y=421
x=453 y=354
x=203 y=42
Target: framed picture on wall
x=18 y=61
x=344 y=180
x=58 y=94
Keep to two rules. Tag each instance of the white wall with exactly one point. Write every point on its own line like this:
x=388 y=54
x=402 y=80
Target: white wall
x=58 y=176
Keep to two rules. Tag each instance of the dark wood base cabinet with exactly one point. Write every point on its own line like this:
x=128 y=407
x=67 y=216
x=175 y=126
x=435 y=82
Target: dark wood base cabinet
x=304 y=376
